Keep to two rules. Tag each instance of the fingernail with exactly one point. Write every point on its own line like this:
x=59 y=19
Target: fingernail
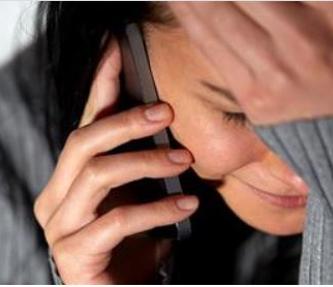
x=187 y=203
x=157 y=112
x=180 y=156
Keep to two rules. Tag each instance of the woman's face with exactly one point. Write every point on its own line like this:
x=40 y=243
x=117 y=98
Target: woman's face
x=260 y=188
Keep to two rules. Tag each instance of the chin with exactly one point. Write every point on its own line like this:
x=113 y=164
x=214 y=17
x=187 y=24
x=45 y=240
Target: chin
x=278 y=227
x=280 y=222
x=264 y=216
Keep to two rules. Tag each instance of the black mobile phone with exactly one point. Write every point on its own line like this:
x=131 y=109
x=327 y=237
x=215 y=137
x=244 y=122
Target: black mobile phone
x=138 y=84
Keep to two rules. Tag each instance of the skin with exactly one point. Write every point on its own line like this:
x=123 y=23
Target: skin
x=107 y=247
x=95 y=246
x=224 y=151
x=287 y=57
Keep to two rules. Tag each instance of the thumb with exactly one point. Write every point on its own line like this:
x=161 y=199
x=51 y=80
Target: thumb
x=104 y=91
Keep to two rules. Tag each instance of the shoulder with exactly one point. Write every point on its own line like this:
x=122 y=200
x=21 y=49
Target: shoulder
x=26 y=163
x=23 y=123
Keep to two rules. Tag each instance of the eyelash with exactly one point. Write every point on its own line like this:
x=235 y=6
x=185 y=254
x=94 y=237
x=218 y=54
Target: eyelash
x=237 y=118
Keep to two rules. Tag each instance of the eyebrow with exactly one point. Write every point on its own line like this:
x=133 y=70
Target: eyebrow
x=221 y=91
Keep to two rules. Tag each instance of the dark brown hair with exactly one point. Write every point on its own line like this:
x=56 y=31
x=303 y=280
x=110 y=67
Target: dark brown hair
x=74 y=33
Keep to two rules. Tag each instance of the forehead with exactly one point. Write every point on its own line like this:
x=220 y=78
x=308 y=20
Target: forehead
x=178 y=62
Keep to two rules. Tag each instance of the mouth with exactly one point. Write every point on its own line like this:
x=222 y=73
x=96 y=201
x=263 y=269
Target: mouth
x=285 y=201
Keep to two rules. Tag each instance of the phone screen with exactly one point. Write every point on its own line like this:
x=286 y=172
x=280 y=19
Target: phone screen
x=137 y=88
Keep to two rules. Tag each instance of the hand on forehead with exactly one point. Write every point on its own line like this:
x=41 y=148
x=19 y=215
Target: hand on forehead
x=274 y=56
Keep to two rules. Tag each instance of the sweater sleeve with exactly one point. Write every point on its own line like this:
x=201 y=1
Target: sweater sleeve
x=54 y=271
x=307 y=146
x=163 y=277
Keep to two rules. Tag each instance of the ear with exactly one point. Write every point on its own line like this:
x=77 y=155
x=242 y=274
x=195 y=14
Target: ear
x=104 y=91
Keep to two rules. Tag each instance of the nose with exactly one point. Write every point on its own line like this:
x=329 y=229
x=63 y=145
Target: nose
x=280 y=170
x=273 y=175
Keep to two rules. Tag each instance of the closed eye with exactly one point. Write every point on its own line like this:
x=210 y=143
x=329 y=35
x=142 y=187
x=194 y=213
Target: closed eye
x=238 y=118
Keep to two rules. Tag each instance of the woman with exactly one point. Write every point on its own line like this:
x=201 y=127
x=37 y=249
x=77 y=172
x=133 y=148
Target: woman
x=95 y=235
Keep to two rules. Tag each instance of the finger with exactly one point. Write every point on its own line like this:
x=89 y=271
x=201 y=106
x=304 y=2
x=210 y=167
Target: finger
x=236 y=30
x=99 y=137
x=102 y=98
x=297 y=31
x=325 y=8
x=105 y=87
x=102 y=235
x=107 y=172
x=222 y=31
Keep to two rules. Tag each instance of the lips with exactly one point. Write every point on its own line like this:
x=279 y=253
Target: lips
x=285 y=201
x=274 y=182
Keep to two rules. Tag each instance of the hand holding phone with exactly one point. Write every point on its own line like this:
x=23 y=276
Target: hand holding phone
x=108 y=247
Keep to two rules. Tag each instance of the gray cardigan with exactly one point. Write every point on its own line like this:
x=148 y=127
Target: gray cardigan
x=308 y=147
x=26 y=163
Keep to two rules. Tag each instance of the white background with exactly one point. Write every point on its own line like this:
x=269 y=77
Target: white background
x=17 y=20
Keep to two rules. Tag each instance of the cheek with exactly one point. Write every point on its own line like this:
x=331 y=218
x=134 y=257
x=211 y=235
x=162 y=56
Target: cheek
x=259 y=214
x=218 y=147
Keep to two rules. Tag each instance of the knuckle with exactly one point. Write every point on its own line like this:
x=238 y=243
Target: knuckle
x=39 y=209
x=165 y=207
x=167 y=210
x=48 y=234
x=132 y=121
x=280 y=80
x=92 y=171
x=119 y=218
x=60 y=252
x=256 y=106
x=55 y=231
x=269 y=57
x=70 y=263
x=250 y=96
x=153 y=163
x=76 y=140
x=52 y=231
x=74 y=137
x=247 y=89
x=171 y=207
x=148 y=157
x=259 y=93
